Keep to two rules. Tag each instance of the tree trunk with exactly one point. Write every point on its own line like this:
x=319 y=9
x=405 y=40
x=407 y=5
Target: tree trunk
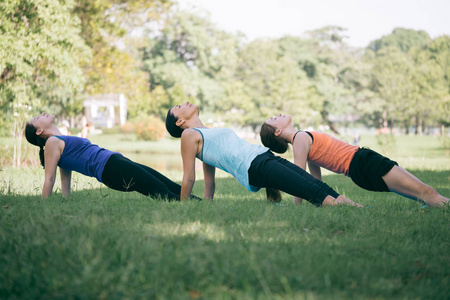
x=329 y=123
x=418 y=130
x=17 y=135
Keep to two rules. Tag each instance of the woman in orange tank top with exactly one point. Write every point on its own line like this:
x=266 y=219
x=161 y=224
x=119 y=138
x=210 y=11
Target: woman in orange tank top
x=368 y=169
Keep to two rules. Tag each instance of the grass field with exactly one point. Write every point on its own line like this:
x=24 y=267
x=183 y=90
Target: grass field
x=100 y=243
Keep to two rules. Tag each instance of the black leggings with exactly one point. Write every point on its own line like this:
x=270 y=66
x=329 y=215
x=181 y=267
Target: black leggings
x=125 y=175
x=268 y=170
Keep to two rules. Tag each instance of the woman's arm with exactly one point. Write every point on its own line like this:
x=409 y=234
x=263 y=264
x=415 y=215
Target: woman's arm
x=301 y=147
x=66 y=177
x=341 y=200
x=210 y=182
x=52 y=155
x=189 y=146
x=315 y=170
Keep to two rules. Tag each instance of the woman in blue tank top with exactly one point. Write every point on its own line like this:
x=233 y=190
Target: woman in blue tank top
x=71 y=153
x=252 y=165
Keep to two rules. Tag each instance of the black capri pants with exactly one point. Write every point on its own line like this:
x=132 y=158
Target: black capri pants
x=123 y=174
x=269 y=170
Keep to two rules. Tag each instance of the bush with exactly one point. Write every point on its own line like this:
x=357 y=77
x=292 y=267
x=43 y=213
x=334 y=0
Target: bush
x=149 y=128
x=128 y=127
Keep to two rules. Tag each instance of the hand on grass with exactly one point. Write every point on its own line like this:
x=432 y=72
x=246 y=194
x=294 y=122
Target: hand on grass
x=340 y=200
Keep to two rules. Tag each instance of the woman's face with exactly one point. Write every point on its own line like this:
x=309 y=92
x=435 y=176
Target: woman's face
x=42 y=121
x=280 y=121
x=184 y=111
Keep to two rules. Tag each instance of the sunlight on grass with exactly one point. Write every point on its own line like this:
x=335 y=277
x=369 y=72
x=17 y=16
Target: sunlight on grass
x=196 y=229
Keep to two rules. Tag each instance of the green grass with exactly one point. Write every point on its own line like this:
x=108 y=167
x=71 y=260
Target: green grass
x=100 y=243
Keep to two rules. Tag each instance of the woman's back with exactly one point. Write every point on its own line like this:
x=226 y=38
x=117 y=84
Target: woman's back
x=331 y=153
x=82 y=156
x=223 y=149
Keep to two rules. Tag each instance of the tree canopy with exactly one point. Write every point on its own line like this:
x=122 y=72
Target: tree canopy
x=55 y=53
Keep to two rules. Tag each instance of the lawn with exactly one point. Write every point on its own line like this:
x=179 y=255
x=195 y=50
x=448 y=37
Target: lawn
x=100 y=243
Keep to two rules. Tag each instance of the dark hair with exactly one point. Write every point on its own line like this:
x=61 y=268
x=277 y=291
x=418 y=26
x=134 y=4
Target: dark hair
x=171 y=125
x=34 y=139
x=270 y=140
x=273 y=195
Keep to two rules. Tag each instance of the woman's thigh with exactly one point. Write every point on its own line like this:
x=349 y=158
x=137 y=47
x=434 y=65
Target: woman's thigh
x=125 y=175
x=278 y=173
x=173 y=186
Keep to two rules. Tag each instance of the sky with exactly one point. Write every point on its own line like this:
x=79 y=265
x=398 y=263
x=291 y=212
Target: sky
x=365 y=20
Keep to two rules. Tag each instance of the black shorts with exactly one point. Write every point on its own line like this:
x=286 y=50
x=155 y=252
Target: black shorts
x=367 y=169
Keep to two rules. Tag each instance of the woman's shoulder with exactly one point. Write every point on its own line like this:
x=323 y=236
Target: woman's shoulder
x=304 y=136
x=303 y=141
x=54 y=143
x=54 y=140
x=190 y=133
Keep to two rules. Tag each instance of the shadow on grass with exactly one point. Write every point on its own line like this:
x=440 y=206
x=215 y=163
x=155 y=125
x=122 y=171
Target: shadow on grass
x=101 y=243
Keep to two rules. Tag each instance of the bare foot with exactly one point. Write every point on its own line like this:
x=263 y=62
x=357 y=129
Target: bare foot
x=437 y=201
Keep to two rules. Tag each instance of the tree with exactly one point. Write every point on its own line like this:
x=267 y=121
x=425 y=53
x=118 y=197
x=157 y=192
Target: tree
x=104 y=27
x=40 y=53
x=334 y=63
x=39 y=43
x=403 y=39
x=394 y=82
x=189 y=59
x=437 y=60
x=272 y=82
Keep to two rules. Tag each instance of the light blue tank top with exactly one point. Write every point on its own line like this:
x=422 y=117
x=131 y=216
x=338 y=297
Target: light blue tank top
x=223 y=149
x=82 y=156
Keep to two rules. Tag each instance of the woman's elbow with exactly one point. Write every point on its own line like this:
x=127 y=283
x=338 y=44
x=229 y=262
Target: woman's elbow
x=188 y=181
x=50 y=181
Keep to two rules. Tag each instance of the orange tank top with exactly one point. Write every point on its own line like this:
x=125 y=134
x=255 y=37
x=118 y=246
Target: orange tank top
x=331 y=153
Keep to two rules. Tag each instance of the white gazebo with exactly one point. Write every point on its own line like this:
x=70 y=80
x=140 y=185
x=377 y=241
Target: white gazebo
x=106 y=110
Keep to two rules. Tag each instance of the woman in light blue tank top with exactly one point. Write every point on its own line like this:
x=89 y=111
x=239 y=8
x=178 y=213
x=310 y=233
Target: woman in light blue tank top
x=252 y=165
x=79 y=154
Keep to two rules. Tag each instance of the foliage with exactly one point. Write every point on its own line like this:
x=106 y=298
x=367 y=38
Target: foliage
x=104 y=26
x=272 y=82
x=54 y=53
x=403 y=39
x=40 y=54
x=439 y=56
x=187 y=60
x=412 y=86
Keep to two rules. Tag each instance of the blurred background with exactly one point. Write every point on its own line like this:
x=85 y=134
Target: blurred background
x=351 y=68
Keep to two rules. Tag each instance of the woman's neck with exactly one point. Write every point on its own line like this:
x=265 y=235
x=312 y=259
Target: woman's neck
x=194 y=123
x=53 y=130
x=288 y=134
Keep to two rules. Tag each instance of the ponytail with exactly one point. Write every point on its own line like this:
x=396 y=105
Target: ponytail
x=273 y=195
x=271 y=141
x=41 y=156
x=34 y=139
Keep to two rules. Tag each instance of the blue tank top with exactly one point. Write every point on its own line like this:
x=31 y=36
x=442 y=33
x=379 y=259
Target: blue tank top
x=223 y=149
x=82 y=156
